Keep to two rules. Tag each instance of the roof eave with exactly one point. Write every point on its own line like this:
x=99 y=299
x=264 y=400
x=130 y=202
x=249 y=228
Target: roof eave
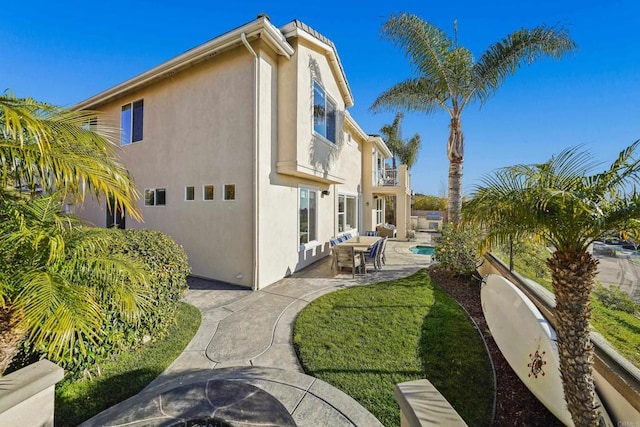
x=259 y=28
x=291 y=30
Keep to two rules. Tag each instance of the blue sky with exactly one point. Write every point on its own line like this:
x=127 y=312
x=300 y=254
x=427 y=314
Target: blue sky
x=63 y=52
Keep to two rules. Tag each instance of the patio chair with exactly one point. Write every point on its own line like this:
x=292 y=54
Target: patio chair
x=347 y=256
x=383 y=257
x=388 y=230
x=371 y=233
x=373 y=255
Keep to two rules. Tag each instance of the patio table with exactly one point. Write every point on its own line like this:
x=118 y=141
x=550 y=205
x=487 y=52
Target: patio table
x=360 y=243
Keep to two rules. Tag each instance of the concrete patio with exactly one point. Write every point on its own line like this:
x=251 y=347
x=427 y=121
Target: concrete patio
x=241 y=368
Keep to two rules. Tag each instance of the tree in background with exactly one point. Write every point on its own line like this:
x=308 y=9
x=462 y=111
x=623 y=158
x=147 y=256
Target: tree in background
x=449 y=77
x=427 y=202
x=564 y=204
x=54 y=277
x=406 y=151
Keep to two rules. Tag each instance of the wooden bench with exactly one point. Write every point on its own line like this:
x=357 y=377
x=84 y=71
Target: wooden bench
x=421 y=404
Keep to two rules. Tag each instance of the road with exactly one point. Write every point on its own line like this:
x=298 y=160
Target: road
x=623 y=272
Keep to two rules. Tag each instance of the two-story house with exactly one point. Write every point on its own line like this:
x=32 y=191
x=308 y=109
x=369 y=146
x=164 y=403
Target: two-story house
x=246 y=154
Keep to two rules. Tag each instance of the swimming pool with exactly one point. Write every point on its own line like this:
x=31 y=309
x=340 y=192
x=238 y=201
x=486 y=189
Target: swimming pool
x=422 y=250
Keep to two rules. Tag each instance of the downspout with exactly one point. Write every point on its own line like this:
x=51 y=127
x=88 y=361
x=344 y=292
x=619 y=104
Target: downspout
x=256 y=152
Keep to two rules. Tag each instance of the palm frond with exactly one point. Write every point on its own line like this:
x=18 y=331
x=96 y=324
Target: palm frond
x=418 y=94
x=424 y=44
x=523 y=46
x=56 y=312
x=51 y=147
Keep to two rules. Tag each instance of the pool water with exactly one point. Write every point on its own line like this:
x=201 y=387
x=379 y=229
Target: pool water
x=423 y=250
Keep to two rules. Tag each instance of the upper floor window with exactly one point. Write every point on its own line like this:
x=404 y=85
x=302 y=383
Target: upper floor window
x=131 y=122
x=91 y=124
x=324 y=113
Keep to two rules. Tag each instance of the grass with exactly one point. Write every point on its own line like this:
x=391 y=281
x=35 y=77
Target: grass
x=621 y=329
x=365 y=340
x=79 y=400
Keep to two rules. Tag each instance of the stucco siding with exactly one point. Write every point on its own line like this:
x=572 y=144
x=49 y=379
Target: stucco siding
x=197 y=131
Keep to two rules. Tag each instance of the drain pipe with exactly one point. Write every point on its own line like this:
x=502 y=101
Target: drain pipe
x=256 y=152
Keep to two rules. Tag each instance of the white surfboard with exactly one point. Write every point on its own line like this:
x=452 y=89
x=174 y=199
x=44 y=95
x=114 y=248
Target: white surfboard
x=527 y=341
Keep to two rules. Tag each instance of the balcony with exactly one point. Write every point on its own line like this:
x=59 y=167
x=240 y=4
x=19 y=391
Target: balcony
x=390 y=181
x=386 y=178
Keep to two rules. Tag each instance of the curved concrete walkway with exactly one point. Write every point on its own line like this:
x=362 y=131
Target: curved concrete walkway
x=246 y=336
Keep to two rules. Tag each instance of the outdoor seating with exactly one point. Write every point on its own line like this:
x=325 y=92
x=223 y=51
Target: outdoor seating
x=373 y=255
x=386 y=230
x=371 y=233
x=383 y=247
x=348 y=257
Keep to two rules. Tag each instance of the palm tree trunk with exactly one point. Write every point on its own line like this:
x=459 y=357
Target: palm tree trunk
x=11 y=335
x=455 y=152
x=573 y=275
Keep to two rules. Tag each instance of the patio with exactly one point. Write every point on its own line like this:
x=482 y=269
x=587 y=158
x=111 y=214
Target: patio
x=245 y=341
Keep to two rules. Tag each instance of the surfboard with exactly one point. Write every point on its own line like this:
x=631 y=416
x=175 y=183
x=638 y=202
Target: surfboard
x=527 y=341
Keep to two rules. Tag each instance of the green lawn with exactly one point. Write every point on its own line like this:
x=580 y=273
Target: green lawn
x=79 y=400
x=364 y=340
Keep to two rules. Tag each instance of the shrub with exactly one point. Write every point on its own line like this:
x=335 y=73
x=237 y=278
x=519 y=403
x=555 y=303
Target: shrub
x=614 y=298
x=166 y=266
x=456 y=249
x=429 y=203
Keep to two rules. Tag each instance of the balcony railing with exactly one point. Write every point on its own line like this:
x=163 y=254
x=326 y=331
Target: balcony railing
x=386 y=178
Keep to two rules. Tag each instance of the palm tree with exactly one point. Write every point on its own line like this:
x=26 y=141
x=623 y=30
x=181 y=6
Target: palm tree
x=53 y=276
x=565 y=204
x=404 y=150
x=449 y=77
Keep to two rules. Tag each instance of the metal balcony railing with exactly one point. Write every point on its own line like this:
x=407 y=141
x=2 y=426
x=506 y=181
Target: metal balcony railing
x=386 y=178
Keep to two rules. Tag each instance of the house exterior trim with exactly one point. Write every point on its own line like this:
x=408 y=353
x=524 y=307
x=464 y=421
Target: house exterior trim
x=260 y=28
x=296 y=169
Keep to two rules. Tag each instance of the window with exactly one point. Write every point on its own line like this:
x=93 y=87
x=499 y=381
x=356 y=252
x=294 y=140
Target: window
x=324 y=114
x=379 y=210
x=189 y=193
x=207 y=192
x=131 y=122
x=347 y=212
x=307 y=212
x=91 y=124
x=115 y=215
x=155 y=197
x=229 y=192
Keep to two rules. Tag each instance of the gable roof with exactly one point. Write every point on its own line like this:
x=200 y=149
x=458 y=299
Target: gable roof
x=260 y=28
x=298 y=28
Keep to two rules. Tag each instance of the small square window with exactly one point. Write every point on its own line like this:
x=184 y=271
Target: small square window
x=189 y=193
x=150 y=197
x=207 y=192
x=155 y=197
x=230 y=192
x=161 y=197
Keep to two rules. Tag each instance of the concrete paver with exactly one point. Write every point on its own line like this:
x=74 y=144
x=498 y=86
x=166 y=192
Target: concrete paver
x=246 y=336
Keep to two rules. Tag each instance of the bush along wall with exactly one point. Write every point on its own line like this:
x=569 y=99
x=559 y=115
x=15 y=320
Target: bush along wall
x=456 y=250
x=166 y=266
